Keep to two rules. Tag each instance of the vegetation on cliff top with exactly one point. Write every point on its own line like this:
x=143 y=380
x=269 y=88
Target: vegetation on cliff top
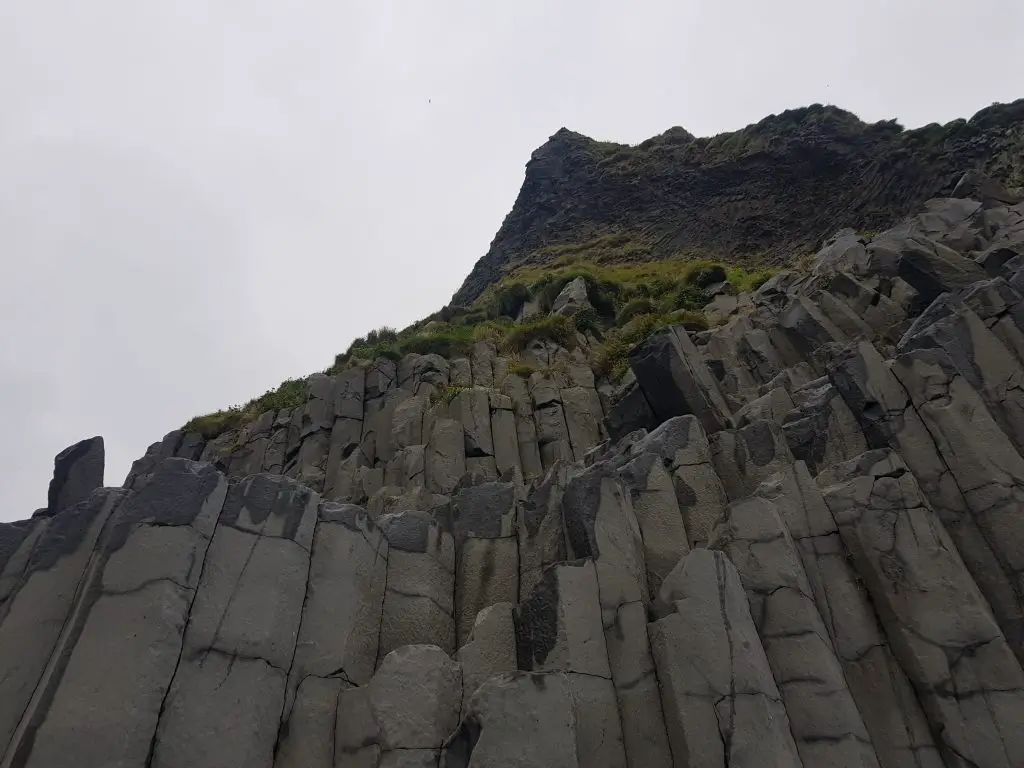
x=761 y=193
x=291 y=393
x=629 y=299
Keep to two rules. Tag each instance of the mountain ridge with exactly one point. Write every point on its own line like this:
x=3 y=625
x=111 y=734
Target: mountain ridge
x=767 y=192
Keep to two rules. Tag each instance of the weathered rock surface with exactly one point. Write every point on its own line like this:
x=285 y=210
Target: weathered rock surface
x=77 y=472
x=793 y=539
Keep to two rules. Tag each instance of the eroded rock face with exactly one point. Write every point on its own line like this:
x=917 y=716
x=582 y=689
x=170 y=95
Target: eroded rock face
x=794 y=539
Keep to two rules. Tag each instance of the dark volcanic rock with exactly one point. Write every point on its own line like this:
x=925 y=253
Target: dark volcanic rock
x=774 y=189
x=77 y=472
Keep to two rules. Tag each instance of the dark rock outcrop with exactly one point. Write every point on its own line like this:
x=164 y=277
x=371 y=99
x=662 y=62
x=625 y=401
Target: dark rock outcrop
x=774 y=189
x=77 y=472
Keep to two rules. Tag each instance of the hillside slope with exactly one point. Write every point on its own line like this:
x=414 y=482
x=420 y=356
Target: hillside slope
x=770 y=191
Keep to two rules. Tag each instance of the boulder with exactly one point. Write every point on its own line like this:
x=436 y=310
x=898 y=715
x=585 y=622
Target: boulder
x=572 y=298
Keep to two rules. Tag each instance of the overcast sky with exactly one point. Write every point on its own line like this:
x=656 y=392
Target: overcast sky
x=199 y=199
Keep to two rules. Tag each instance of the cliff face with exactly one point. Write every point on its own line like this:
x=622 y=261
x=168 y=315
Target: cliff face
x=771 y=191
x=793 y=539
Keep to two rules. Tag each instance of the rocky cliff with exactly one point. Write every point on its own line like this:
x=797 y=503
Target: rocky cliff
x=768 y=192
x=793 y=539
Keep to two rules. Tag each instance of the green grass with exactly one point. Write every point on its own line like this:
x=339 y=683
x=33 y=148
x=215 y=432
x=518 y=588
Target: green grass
x=634 y=308
x=630 y=294
x=521 y=369
x=560 y=330
x=446 y=394
x=292 y=393
x=447 y=339
x=449 y=392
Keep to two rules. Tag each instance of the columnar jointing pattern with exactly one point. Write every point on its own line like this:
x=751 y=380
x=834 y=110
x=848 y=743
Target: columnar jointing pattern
x=796 y=539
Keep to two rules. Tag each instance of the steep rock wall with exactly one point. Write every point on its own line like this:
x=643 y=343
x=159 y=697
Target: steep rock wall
x=795 y=539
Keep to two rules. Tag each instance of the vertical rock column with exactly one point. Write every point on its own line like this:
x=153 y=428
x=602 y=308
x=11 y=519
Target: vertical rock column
x=676 y=381
x=526 y=429
x=472 y=408
x=744 y=457
x=346 y=433
x=419 y=596
x=879 y=686
x=549 y=416
x=36 y=621
x=980 y=456
x=338 y=634
x=600 y=524
x=105 y=709
x=77 y=472
x=886 y=414
x=721 y=704
x=823 y=717
x=558 y=629
x=521 y=718
x=485 y=519
x=541 y=530
x=229 y=692
x=940 y=627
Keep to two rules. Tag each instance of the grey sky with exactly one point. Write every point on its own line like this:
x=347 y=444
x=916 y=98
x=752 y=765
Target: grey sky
x=199 y=199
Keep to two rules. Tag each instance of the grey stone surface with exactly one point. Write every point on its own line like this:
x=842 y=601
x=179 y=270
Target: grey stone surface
x=490 y=649
x=518 y=720
x=242 y=630
x=675 y=380
x=572 y=298
x=445 y=457
x=487 y=572
x=600 y=524
x=821 y=430
x=883 y=694
x=526 y=428
x=598 y=727
x=558 y=626
x=654 y=503
x=412 y=702
x=722 y=707
x=889 y=420
x=541 y=530
x=583 y=417
x=341 y=617
x=128 y=624
x=77 y=472
x=823 y=717
x=744 y=457
x=979 y=356
x=307 y=740
x=419 y=599
x=937 y=621
x=36 y=620
x=636 y=687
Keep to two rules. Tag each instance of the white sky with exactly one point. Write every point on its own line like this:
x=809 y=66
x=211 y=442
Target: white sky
x=199 y=199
